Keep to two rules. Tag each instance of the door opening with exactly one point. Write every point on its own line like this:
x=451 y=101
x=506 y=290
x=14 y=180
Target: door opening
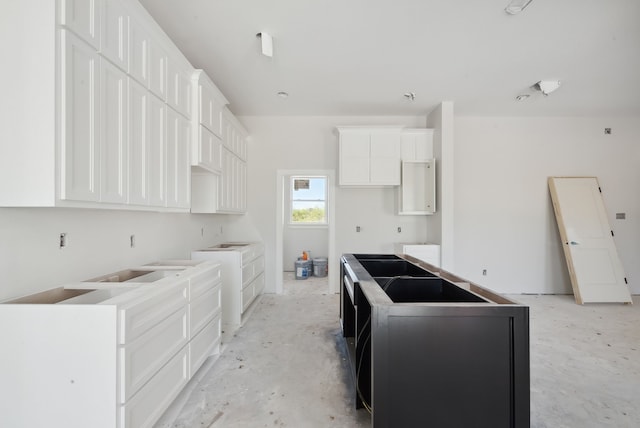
x=305 y=221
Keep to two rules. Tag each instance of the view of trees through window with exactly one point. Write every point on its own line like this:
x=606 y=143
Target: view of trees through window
x=308 y=200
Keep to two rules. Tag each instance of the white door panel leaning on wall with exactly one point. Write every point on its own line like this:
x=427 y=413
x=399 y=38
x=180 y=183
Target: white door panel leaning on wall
x=595 y=269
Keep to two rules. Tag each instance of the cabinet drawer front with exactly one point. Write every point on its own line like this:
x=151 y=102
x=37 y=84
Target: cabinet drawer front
x=248 y=253
x=258 y=265
x=140 y=360
x=204 y=344
x=203 y=309
x=203 y=281
x=252 y=269
x=155 y=397
x=258 y=285
x=145 y=313
x=248 y=293
x=248 y=273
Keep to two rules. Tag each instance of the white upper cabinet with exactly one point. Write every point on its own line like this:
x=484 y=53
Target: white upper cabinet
x=417 y=144
x=82 y=17
x=114 y=33
x=417 y=194
x=79 y=141
x=157 y=69
x=102 y=104
x=178 y=169
x=138 y=52
x=179 y=85
x=209 y=103
x=157 y=147
x=114 y=149
x=369 y=156
x=138 y=97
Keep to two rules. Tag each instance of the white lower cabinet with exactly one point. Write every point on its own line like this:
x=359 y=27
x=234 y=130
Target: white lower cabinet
x=141 y=359
x=107 y=355
x=205 y=343
x=242 y=267
x=146 y=407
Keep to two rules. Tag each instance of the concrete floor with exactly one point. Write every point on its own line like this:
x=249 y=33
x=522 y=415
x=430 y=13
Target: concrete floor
x=286 y=366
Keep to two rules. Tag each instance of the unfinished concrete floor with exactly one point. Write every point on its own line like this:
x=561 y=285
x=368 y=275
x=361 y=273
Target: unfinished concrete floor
x=286 y=367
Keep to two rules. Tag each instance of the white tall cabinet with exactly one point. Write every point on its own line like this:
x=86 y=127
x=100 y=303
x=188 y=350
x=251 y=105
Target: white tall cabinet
x=102 y=79
x=417 y=191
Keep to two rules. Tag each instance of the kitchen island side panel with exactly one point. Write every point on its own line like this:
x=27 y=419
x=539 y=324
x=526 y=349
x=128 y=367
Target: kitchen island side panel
x=468 y=368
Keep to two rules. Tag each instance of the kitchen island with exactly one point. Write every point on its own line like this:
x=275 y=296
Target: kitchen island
x=428 y=348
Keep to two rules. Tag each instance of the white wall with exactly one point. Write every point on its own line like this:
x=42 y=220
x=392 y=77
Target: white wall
x=301 y=142
x=97 y=243
x=504 y=219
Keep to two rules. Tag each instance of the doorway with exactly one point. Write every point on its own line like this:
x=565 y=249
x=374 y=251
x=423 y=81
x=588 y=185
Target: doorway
x=314 y=231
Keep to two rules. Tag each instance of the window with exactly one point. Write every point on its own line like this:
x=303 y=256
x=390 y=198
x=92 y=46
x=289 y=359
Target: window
x=308 y=200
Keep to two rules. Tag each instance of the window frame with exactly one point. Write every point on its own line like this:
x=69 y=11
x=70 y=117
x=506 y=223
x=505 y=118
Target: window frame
x=324 y=200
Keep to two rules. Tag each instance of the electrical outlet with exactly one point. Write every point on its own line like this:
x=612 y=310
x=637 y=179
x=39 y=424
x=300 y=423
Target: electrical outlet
x=357 y=228
x=132 y=241
x=63 y=240
x=607 y=131
x=399 y=229
x=484 y=272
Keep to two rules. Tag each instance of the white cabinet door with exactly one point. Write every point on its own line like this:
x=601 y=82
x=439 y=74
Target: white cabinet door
x=81 y=17
x=138 y=52
x=385 y=158
x=369 y=157
x=242 y=186
x=79 y=131
x=113 y=134
x=157 y=69
x=210 y=109
x=157 y=144
x=178 y=164
x=179 y=86
x=138 y=143
x=354 y=158
x=417 y=144
x=225 y=199
x=114 y=33
x=208 y=153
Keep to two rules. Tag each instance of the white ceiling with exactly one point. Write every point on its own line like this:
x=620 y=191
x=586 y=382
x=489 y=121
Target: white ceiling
x=358 y=57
